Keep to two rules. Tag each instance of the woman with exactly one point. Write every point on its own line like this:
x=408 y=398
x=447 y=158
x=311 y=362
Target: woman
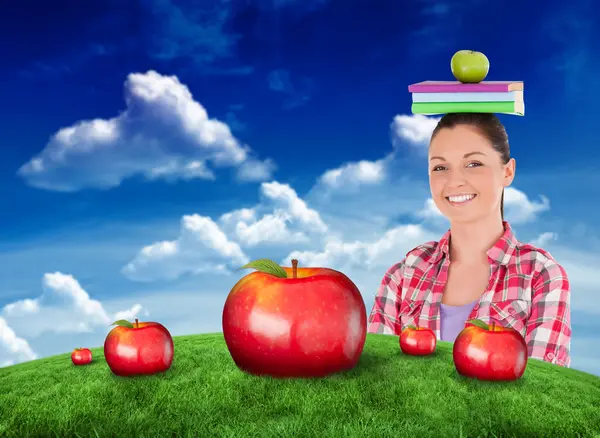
x=478 y=269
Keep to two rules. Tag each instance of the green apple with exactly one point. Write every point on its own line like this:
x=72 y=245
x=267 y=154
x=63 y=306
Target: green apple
x=469 y=66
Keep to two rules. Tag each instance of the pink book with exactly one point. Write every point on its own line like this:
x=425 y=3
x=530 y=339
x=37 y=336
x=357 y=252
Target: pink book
x=459 y=87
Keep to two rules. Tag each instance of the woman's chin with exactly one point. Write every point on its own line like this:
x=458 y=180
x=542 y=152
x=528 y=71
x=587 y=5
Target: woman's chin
x=470 y=217
x=461 y=215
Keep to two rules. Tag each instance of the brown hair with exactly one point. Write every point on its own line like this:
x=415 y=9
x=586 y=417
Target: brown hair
x=489 y=126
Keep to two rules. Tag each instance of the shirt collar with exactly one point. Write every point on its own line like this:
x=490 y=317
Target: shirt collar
x=500 y=253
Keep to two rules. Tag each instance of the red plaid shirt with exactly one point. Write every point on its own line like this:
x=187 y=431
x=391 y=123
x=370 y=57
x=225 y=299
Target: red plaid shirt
x=528 y=291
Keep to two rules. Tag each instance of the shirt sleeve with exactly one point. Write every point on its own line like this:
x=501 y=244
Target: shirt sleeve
x=549 y=326
x=385 y=315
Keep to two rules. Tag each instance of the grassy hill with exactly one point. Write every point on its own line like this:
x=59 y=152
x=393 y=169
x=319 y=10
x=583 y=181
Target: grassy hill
x=204 y=394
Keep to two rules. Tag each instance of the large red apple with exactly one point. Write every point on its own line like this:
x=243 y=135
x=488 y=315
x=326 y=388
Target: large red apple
x=140 y=348
x=490 y=352
x=294 y=322
x=81 y=356
x=417 y=341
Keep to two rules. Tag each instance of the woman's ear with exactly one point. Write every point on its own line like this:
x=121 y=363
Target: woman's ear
x=509 y=172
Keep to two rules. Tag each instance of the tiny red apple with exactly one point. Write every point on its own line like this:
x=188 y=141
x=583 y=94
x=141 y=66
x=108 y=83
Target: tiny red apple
x=490 y=352
x=81 y=356
x=417 y=341
x=140 y=348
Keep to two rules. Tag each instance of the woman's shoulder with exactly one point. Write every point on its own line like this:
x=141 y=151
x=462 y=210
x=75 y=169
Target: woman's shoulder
x=422 y=253
x=539 y=258
x=538 y=262
x=414 y=258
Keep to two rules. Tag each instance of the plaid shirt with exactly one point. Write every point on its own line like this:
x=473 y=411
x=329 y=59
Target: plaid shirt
x=528 y=291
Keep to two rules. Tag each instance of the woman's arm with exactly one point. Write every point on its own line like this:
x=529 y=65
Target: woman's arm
x=549 y=325
x=385 y=315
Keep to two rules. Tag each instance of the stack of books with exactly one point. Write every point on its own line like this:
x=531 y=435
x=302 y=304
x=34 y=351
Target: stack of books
x=443 y=97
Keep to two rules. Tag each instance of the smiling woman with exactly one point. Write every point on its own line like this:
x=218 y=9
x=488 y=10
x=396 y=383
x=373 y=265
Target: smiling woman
x=478 y=269
x=483 y=166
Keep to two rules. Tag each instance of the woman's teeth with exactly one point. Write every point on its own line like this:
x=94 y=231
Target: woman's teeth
x=460 y=199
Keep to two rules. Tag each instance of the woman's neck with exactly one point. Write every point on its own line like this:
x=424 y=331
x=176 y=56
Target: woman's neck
x=470 y=242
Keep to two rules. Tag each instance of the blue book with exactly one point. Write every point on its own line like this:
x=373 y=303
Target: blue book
x=510 y=96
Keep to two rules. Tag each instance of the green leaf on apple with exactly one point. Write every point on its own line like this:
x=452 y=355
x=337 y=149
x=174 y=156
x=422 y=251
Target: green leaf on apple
x=479 y=323
x=410 y=327
x=267 y=266
x=123 y=323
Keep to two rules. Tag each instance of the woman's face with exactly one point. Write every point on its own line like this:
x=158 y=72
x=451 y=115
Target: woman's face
x=466 y=174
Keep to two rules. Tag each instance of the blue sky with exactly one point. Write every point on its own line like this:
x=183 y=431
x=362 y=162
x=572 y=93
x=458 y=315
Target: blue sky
x=148 y=151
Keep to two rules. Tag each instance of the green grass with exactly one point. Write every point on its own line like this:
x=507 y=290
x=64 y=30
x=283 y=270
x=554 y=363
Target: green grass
x=204 y=394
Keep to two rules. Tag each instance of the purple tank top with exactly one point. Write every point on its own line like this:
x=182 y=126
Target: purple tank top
x=453 y=318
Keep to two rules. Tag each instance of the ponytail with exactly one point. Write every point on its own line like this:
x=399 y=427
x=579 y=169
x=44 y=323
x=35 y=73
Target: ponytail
x=502 y=205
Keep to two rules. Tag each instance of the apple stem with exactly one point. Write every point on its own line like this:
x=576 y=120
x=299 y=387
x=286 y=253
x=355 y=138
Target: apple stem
x=136 y=323
x=493 y=324
x=294 y=268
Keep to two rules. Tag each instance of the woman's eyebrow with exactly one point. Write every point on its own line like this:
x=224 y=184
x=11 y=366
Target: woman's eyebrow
x=464 y=156
x=473 y=153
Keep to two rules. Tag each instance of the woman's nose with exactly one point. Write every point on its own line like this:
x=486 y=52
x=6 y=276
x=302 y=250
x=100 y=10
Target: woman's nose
x=455 y=178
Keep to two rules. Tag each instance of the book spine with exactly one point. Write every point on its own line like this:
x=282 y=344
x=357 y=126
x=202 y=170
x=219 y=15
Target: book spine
x=465 y=107
x=459 y=88
x=511 y=96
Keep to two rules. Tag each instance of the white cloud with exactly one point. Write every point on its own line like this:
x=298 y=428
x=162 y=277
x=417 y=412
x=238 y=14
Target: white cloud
x=68 y=288
x=281 y=217
x=243 y=214
x=519 y=209
x=22 y=307
x=543 y=239
x=354 y=174
x=163 y=133
x=13 y=346
x=230 y=220
x=430 y=211
x=271 y=228
x=415 y=129
x=285 y=197
x=204 y=245
x=63 y=307
x=254 y=170
x=201 y=247
x=131 y=314
x=383 y=252
x=176 y=169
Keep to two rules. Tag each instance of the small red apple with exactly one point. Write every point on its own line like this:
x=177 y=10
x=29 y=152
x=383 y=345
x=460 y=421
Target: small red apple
x=294 y=322
x=490 y=352
x=140 y=348
x=81 y=356
x=417 y=341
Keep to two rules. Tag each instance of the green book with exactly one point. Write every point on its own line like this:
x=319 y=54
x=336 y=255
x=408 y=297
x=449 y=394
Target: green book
x=515 y=108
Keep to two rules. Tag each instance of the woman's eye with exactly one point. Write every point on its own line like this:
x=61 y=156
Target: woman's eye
x=475 y=164
x=437 y=168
